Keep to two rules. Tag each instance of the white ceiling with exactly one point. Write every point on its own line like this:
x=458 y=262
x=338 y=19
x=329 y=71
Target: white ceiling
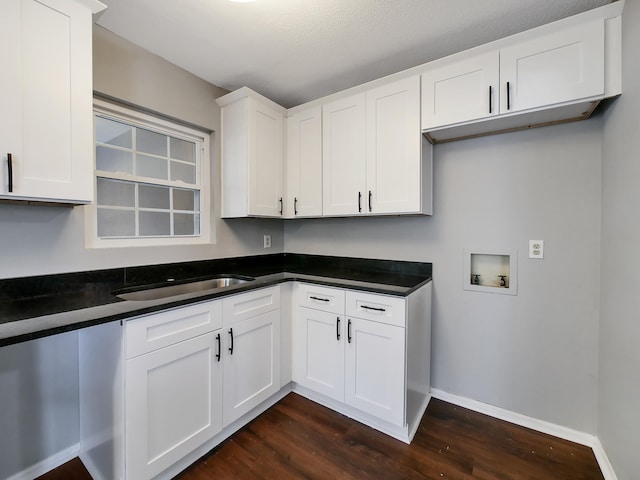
x=293 y=51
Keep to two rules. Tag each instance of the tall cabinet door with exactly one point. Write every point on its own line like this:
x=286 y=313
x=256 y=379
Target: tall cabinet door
x=461 y=91
x=319 y=351
x=46 y=98
x=266 y=138
x=304 y=164
x=173 y=404
x=374 y=366
x=393 y=148
x=555 y=68
x=251 y=364
x=344 y=156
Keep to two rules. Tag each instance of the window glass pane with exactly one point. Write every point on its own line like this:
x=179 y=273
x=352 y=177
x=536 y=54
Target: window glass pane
x=154 y=223
x=183 y=150
x=151 y=142
x=184 y=223
x=113 y=133
x=150 y=196
x=152 y=167
x=116 y=223
x=116 y=194
x=112 y=160
x=184 y=172
x=183 y=199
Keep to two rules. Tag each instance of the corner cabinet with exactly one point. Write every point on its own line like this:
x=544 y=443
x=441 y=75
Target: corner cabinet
x=303 y=165
x=374 y=160
x=365 y=355
x=46 y=133
x=251 y=356
x=252 y=143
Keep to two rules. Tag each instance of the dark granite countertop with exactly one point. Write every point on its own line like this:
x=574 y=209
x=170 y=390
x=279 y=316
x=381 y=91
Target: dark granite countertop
x=34 y=307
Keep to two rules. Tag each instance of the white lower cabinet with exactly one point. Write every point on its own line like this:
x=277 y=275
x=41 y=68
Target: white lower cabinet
x=159 y=391
x=251 y=356
x=173 y=404
x=173 y=386
x=374 y=369
x=351 y=351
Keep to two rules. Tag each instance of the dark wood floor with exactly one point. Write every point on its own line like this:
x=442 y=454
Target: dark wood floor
x=300 y=439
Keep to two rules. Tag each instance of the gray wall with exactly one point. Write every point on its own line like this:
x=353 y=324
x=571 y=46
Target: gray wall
x=618 y=412
x=38 y=401
x=535 y=353
x=40 y=240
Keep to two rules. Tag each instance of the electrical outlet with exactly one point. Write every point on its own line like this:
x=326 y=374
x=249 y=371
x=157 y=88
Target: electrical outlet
x=536 y=249
x=267 y=241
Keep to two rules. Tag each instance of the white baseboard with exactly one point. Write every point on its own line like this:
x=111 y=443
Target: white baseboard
x=47 y=464
x=543 y=426
x=603 y=461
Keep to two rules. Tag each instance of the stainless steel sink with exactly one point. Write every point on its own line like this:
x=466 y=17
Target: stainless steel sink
x=157 y=292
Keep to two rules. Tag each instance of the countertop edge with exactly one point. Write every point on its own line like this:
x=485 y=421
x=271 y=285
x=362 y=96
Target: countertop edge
x=38 y=327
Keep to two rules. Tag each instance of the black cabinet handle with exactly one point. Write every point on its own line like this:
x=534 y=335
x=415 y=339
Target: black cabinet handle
x=281 y=205
x=218 y=355
x=349 y=330
x=377 y=309
x=370 y=208
x=490 y=98
x=10 y=171
x=359 y=202
x=318 y=298
x=508 y=96
x=231 y=347
x=338 y=328
x=295 y=205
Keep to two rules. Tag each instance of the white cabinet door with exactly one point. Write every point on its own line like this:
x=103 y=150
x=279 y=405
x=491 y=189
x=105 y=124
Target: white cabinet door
x=461 y=91
x=375 y=369
x=173 y=404
x=252 y=143
x=46 y=128
x=393 y=148
x=318 y=351
x=561 y=67
x=266 y=157
x=251 y=364
x=304 y=164
x=344 y=156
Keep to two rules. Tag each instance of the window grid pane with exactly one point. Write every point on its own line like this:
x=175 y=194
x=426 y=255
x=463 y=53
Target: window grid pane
x=139 y=207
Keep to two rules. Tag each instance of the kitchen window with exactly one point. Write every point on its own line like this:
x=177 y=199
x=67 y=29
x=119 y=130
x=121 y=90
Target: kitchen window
x=152 y=181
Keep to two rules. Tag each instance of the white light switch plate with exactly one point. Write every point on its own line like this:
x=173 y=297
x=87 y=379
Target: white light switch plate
x=536 y=249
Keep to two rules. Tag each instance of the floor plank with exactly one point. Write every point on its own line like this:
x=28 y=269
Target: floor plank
x=297 y=438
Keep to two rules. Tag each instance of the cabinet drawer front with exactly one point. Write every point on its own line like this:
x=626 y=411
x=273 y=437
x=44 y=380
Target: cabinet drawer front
x=326 y=299
x=379 y=308
x=247 y=305
x=159 y=330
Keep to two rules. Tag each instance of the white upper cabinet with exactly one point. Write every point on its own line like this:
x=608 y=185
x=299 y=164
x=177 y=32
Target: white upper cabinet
x=46 y=128
x=561 y=67
x=552 y=74
x=372 y=155
x=461 y=91
x=304 y=164
x=344 y=155
x=394 y=166
x=252 y=155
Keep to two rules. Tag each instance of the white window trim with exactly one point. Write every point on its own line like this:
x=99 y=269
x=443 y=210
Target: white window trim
x=204 y=182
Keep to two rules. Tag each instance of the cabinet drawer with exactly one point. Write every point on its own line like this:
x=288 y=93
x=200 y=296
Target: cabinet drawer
x=326 y=299
x=149 y=333
x=246 y=305
x=379 y=308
